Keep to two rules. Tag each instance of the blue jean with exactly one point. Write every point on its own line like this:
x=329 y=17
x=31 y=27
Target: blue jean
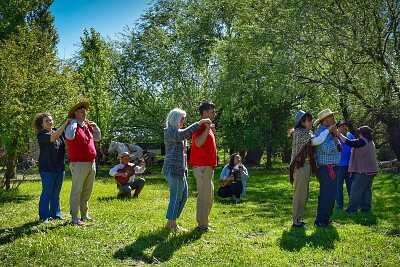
x=232 y=189
x=341 y=176
x=327 y=195
x=361 y=192
x=49 y=203
x=178 y=195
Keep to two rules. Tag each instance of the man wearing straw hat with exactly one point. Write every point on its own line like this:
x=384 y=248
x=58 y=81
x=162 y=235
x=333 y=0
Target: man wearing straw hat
x=328 y=156
x=125 y=172
x=81 y=135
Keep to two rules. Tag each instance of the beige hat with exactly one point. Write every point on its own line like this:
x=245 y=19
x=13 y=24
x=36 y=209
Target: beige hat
x=74 y=108
x=123 y=154
x=323 y=114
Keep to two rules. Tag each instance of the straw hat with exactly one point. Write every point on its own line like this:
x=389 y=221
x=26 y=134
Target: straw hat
x=123 y=154
x=74 y=108
x=323 y=114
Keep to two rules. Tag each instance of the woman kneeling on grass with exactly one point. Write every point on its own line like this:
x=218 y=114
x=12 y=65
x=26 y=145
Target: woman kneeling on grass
x=302 y=161
x=233 y=179
x=175 y=163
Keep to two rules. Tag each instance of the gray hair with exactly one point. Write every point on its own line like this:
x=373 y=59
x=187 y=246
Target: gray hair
x=174 y=118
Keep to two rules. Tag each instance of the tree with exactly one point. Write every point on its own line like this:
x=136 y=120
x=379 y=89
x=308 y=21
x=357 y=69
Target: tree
x=94 y=69
x=31 y=79
x=350 y=50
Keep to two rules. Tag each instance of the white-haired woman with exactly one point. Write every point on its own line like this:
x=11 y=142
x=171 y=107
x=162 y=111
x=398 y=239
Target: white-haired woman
x=175 y=163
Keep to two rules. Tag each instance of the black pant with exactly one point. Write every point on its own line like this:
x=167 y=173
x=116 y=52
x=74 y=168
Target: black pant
x=232 y=189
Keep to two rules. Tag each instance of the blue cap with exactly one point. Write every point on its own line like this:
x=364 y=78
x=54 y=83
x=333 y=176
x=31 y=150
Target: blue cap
x=300 y=115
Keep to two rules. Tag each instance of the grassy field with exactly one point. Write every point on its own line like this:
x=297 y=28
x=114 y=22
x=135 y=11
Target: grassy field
x=256 y=232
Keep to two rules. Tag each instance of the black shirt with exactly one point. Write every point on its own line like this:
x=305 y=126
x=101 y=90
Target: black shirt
x=52 y=154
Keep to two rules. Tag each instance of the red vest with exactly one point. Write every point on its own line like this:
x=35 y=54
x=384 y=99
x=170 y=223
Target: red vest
x=205 y=155
x=81 y=148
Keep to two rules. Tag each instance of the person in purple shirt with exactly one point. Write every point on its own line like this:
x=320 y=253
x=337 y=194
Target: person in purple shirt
x=342 y=169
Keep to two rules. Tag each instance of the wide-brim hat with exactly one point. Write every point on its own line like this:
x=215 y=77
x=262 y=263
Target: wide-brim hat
x=123 y=154
x=74 y=108
x=300 y=115
x=323 y=114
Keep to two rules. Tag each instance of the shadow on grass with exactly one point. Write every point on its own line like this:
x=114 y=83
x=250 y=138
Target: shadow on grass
x=13 y=196
x=164 y=242
x=362 y=218
x=295 y=239
x=9 y=235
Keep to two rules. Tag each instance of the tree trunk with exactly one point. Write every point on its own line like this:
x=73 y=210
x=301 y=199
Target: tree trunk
x=394 y=135
x=10 y=171
x=286 y=155
x=268 y=162
x=253 y=157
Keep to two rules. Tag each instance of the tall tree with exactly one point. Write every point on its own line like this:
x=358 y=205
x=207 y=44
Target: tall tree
x=31 y=79
x=350 y=50
x=94 y=68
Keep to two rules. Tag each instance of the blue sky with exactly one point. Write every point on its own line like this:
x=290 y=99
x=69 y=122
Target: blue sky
x=108 y=17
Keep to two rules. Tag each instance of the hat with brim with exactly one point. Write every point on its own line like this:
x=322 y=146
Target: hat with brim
x=123 y=154
x=322 y=115
x=71 y=113
x=365 y=129
x=300 y=115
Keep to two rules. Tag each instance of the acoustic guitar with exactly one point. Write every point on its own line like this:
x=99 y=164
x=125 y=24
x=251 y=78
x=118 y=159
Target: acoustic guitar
x=129 y=170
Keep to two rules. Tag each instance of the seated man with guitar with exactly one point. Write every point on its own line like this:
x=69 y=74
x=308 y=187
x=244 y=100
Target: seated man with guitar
x=124 y=173
x=233 y=179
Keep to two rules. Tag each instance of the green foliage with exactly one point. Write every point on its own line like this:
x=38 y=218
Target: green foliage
x=96 y=73
x=31 y=78
x=256 y=232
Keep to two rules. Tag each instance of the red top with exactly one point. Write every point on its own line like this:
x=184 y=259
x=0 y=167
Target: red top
x=205 y=155
x=81 y=148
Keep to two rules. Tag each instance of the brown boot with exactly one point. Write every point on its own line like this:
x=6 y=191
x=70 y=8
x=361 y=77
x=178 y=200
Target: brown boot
x=120 y=194
x=137 y=191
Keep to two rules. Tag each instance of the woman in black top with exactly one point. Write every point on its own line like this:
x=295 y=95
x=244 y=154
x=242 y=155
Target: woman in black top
x=51 y=165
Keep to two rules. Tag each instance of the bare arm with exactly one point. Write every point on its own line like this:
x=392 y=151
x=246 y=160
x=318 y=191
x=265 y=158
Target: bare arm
x=54 y=136
x=201 y=139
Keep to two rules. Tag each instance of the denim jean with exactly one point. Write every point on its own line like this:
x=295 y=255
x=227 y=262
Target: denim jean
x=361 y=192
x=327 y=195
x=178 y=195
x=49 y=203
x=342 y=176
x=232 y=189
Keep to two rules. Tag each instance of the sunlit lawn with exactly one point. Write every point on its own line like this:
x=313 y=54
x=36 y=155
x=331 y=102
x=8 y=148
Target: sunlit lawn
x=256 y=232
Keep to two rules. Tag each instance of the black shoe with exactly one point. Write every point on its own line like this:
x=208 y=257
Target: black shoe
x=301 y=225
x=202 y=229
x=320 y=224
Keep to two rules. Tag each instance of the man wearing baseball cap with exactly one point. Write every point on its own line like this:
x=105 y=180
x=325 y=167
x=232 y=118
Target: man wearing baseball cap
x=81 y=135
x=342 y=170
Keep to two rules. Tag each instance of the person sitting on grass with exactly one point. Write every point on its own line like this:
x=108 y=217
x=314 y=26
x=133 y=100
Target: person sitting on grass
x=233 y=179
x=124 y=173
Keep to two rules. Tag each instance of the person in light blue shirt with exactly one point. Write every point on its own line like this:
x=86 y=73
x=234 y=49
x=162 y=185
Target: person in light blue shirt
x=233 y=179
x=328 y=156
x=342 y=170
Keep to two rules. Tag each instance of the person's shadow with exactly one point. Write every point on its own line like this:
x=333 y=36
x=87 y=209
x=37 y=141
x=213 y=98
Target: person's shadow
x=295 y=239
x=9 y=235
x=164 y=241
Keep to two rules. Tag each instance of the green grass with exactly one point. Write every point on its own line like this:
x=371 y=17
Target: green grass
x=256 y=232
